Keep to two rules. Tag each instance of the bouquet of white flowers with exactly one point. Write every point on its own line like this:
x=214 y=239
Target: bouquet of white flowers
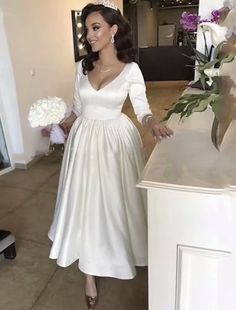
x=48 y=113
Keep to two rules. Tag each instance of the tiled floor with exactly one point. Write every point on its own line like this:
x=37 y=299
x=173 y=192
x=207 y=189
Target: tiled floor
x=27 y=198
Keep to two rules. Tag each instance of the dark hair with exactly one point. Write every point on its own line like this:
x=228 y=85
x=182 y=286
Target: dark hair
x=123 y=36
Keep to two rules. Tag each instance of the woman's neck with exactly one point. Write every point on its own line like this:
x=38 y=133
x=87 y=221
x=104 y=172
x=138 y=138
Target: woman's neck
x=108 y=57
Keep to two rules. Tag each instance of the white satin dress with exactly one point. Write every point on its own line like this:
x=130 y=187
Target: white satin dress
x=100 y=215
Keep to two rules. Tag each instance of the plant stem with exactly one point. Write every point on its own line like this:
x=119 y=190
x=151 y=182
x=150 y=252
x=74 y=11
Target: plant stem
x=206 y=48
x=191 y=45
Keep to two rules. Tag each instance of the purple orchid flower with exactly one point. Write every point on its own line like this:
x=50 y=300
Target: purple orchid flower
x=215 y=16
x=189 y=21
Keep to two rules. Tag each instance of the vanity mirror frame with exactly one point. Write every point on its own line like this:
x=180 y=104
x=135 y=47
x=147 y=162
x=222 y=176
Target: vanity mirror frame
x=79 y=51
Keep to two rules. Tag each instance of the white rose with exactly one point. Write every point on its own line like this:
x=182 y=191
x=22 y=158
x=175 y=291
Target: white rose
x=47 y=111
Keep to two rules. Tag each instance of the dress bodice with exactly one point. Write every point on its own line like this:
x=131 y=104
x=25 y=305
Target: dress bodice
x=107 y=102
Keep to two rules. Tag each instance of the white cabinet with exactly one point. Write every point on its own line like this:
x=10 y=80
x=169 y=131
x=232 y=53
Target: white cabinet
x=192 y=239
x=192 y=219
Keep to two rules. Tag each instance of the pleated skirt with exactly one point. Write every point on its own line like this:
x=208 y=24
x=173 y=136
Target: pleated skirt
x=100 y=215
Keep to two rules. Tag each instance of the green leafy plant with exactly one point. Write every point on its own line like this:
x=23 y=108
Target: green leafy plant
x=207 y=64
x=190 y=103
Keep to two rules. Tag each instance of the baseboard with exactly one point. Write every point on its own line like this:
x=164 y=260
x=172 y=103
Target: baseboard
x=25 y=166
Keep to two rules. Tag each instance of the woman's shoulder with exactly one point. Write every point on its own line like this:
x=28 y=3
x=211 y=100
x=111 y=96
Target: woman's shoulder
x=134 y=71
x=133 y=64
x=133 y=67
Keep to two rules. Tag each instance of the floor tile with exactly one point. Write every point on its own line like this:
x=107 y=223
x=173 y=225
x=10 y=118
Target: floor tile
x=122 y=295
x=12 y=198
x=33 y=220
x=65 y=291
x=23 y=279
x=52 y=183
x=31 y=178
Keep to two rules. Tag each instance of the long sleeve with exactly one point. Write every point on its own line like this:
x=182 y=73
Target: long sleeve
x=137 y=92
x=76 y=102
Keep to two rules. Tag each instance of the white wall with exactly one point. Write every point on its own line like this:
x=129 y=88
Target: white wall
x=39 y=35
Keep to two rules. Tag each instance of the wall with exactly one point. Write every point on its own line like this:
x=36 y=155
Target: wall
x=147 y=24
x=39 y=36
x=149 y=19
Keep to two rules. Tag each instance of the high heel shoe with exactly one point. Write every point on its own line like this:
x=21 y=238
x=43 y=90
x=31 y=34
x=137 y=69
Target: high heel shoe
x=92 y=301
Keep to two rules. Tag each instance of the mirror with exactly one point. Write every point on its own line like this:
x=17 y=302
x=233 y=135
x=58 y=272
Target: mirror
x=79 y=50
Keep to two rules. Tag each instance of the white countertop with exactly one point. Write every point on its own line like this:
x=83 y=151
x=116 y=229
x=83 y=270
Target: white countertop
x=189 y=161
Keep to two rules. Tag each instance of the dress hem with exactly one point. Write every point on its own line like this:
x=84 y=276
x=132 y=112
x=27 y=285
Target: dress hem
x=87 y=270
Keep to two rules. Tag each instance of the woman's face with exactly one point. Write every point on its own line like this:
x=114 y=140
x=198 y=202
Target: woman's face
x=99 y=32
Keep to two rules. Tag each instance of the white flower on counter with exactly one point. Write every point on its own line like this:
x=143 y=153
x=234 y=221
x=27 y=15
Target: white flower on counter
x=217 y=32
x=212 y=72
x=47 y=111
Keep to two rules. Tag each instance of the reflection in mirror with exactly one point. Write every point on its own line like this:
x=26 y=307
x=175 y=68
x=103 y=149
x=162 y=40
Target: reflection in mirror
x=4 y=156
x=79 y=50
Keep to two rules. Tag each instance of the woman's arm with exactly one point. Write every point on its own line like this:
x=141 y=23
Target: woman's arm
x=137 y=94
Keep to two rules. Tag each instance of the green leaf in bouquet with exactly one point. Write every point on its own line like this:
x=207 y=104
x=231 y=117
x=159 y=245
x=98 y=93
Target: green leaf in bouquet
x=191 y=106
x=210 y=64
x=178 y=108
x=190 y=66
x=202 y=105
x=201 y=56
x=227 y=59
x=216 y=105
x=203 y=79
x=215 y=85
x=190 y=103
x=218 y=49
x=192 y=57
x=187 y=110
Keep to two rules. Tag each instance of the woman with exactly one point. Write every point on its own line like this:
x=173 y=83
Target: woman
x=100 y=216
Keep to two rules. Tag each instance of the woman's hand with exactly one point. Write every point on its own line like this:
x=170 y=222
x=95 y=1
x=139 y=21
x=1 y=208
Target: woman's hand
x=67 y=123
x=158 y=129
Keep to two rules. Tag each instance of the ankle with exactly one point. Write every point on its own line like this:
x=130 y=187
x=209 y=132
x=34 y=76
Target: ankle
x=90 y=285
x=89 y=278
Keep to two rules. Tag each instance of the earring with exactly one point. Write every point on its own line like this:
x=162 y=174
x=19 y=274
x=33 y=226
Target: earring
x=112 y=39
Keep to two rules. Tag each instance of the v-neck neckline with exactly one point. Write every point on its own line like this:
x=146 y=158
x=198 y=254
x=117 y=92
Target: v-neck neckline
x=118 y=75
